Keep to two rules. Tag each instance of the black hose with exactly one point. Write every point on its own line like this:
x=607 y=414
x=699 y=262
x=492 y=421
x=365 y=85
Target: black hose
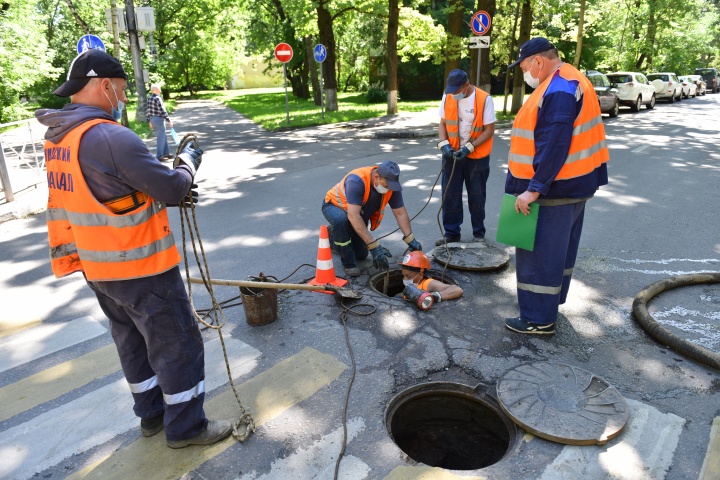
x=661 y=334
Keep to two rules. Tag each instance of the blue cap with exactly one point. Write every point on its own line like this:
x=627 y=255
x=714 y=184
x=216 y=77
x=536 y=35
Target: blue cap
x=391 y=173
x=533 y=47
x=456 y=79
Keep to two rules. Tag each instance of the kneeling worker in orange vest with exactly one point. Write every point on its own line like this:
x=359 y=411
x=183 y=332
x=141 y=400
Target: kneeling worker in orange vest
x=413 y=268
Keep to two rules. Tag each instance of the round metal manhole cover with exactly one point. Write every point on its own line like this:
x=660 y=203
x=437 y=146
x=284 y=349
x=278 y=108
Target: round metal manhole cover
x=471 y=256
x=562 y=403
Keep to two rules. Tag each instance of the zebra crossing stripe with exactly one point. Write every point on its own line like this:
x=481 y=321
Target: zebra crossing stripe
x=711 y=464
x=99 y=416
x=10 y=326
x=36 y=342
x=54 y=382
x=266 y=395
x=423 y=472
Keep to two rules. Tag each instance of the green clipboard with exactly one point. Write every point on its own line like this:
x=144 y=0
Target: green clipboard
x=517 y=229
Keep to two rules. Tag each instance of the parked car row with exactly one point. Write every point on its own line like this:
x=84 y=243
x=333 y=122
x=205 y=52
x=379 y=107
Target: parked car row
x=634 y=89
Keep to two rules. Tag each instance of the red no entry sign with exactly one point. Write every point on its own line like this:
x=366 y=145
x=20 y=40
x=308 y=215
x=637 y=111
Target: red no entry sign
x=283 y=52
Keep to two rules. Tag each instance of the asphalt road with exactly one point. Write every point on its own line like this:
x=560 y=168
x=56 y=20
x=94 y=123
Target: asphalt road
x=66 y=410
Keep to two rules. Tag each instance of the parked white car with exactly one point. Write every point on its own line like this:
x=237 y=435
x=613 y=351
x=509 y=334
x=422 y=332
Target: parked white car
x=667 y=86
x=634 y=90
x=690 y=85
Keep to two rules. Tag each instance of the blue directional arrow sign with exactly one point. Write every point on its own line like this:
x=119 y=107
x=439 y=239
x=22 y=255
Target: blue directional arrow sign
x=320 y=53
x=87 y=42
x=480 y=23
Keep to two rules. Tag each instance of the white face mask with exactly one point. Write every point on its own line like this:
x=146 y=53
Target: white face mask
x=407 y=282
x=380 y=189
x=530 y=80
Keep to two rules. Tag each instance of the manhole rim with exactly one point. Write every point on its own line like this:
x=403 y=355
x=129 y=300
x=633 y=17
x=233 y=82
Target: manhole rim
x=445 y=278
x=481 y=393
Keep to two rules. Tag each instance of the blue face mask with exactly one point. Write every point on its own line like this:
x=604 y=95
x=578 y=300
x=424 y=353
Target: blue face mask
x=459 y=96
x=116 y=112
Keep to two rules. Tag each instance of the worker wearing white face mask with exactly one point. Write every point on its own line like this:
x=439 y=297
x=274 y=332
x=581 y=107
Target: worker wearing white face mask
x=359 y=198
x=465 y=131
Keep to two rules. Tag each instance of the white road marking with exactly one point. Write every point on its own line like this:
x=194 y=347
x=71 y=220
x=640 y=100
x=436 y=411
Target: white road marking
x=318 y=460
x=643 y=451
x=640 y=149
x=97 y=417
x=36 y=342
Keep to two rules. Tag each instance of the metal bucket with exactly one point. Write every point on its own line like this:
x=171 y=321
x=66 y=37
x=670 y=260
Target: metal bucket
x=260 y=304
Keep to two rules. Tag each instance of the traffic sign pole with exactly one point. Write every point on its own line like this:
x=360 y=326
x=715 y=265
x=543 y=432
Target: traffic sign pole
x=284 y=53
x=287 y=102
x=320 y=54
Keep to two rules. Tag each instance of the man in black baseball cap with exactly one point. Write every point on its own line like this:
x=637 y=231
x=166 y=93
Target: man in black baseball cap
x=90 y=64
x=107 y=219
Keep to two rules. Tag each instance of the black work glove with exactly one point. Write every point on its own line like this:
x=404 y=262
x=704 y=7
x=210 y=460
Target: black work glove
x=190 y=157
x=448 y=154
x=464 y=151
x=380 y=255
x=412 y=244
x=190 y=198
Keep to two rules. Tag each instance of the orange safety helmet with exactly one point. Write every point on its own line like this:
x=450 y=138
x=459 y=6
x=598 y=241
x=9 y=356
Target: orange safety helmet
x=416 y=259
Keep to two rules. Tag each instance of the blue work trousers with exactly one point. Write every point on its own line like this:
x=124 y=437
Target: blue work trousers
x=474 y=173
x=160 y=347
x=158 y=124
x=343 y=237
x=543 y=275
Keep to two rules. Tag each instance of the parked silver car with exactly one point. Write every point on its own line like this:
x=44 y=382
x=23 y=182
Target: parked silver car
x=689 y=87
x=667 y=86
x=634 y=90
x=699 y=81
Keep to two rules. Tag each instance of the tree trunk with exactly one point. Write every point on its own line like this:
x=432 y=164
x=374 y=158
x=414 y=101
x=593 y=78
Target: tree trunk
x=392 y=36
x=78 y=19
x=313 y=70
x=519 y=83
x=327 y=38
x=581 y=26
x=512 y=56
x=454 y=41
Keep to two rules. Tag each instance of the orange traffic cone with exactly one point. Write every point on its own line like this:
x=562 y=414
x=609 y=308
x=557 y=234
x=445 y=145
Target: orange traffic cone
x=325 y=272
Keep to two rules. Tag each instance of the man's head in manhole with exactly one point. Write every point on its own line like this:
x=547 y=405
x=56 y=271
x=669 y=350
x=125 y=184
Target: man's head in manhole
x=414 y=266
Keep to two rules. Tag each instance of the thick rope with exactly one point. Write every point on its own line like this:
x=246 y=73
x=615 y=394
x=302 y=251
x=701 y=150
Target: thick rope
x=245 y=425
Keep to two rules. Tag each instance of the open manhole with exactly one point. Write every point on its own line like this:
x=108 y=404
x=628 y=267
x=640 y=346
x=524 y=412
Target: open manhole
x=450 y=425
x=395 y=281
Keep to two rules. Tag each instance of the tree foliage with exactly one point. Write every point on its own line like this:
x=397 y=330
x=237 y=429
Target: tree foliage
x=199 y=42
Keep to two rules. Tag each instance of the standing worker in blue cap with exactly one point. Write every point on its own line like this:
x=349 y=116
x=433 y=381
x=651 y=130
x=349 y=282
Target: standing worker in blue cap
x=558 y=159
x=467 y=126
x=359 y=198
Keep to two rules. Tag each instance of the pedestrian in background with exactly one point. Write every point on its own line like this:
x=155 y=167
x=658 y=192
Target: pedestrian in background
x=157 y=116
x=107 y=218
x=558 y=159
x=360 y=198
x=467 y=126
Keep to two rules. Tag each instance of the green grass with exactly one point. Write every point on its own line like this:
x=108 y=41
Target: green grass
x=266 y=107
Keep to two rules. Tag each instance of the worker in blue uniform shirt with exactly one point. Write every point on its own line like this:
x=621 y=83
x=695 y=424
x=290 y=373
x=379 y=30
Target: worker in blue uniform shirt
x=558 y=159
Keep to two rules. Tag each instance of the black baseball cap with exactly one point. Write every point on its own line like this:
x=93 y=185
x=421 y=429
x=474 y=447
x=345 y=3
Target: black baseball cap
x=391 y=173
x=91 y=63
x=533 y=47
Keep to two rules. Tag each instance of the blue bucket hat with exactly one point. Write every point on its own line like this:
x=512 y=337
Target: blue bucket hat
x=533 y=47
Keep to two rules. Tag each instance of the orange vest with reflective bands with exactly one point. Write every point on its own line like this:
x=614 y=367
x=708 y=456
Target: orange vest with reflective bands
x=87 y=236
x=336 y=195
x=425 y=284
x=452 y=124
x=588 y=148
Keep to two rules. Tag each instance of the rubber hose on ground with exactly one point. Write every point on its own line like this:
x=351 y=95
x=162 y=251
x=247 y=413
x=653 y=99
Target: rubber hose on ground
x=660 y=333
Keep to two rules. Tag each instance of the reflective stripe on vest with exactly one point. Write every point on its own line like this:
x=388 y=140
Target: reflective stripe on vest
x=452 y=124
x=87 y=236
x=588 y=148
x=336 y=195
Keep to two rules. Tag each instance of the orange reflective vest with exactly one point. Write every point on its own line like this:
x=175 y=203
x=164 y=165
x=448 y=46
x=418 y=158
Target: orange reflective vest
x=87 y=236
x=336 y=195
x=588 y=148
x=425 y=284
x=452 y=124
